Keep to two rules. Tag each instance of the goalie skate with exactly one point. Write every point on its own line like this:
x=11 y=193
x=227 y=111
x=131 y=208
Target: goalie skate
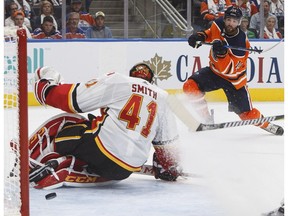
x=274 y=129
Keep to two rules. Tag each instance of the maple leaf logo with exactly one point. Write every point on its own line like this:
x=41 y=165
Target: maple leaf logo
x=161 y=68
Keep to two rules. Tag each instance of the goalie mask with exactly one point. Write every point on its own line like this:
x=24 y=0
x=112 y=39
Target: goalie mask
x=142 y=71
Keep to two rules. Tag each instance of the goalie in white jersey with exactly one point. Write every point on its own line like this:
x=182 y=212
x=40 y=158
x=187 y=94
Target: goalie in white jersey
x=74 y=151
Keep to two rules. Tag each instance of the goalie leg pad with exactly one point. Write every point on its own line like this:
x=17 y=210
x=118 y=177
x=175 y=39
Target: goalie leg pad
x=64 y=171
x=41 y=141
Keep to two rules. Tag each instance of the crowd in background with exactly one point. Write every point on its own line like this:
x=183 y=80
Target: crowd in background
x=209 y=10
x=42 y=18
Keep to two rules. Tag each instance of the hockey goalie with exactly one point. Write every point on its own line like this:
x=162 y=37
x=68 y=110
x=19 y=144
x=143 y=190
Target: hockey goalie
x=71 y=150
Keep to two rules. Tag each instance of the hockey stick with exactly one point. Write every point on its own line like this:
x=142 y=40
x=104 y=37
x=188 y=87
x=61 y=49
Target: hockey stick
x=236 y=48
x=194 y=125
x=205 y=127
x=247 y=49
x=273 y=46
x=148 y=170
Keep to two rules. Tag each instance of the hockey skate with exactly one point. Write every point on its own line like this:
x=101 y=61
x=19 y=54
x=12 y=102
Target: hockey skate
x=274 y=129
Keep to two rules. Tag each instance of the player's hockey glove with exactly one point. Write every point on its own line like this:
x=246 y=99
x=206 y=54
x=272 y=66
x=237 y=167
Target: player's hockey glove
x=196 y=39
x=45 y=78
x=219 y=48
x=170 y=174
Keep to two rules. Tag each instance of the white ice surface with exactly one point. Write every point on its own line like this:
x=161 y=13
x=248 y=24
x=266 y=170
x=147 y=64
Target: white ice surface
x=240 y=172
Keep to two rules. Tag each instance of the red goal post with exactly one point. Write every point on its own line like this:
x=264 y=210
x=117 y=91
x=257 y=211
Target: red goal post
x=16 y=175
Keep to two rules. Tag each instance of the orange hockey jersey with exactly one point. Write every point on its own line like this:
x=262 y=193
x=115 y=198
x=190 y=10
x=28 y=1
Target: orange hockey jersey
x=232 y=67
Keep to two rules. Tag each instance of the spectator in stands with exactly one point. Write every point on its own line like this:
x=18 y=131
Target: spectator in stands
x=86 y=19
x=13 y=7
x=72 y=30
x=277 y=8
x=57 y=8
x=26 y=8
x=18 y=18
x=256 y=2
x=255 y=19
x=46 y=9
x=87 y=5
x=7 y=9
x=99 y=30
x=212 y=9
x=244 y=27
x=269 y=30
x=247 y=7
x=47 y=30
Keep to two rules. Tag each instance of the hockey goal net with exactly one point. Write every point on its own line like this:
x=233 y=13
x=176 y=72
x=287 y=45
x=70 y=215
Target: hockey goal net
x=16 y=168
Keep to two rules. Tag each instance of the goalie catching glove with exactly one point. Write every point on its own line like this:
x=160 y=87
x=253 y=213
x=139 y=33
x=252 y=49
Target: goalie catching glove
x=45 y=78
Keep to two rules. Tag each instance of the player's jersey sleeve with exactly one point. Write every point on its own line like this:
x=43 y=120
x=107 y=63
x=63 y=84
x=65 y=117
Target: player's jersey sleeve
x=61 y=97
x=86 y=97
x=232 y=67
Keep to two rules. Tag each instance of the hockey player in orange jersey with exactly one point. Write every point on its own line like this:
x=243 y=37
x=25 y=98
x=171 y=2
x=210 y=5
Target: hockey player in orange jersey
x=226 y=70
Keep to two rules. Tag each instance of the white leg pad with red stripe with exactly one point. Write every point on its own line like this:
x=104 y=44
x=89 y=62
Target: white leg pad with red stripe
x=41 y=142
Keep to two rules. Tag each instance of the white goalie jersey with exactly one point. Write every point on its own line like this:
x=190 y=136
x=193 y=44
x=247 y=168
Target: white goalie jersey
x=134 y=114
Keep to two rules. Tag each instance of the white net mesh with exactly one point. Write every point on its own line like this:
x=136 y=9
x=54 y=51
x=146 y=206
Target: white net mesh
x=12 y=201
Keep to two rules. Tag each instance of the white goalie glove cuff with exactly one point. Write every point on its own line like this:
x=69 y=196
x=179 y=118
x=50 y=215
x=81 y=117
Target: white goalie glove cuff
x=48 y=73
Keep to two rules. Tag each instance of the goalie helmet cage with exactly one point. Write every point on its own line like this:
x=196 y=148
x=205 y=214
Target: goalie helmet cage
x=16 y=182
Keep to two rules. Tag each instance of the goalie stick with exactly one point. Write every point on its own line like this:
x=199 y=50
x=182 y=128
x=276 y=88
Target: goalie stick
x=148 y=170
x=194 y=125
